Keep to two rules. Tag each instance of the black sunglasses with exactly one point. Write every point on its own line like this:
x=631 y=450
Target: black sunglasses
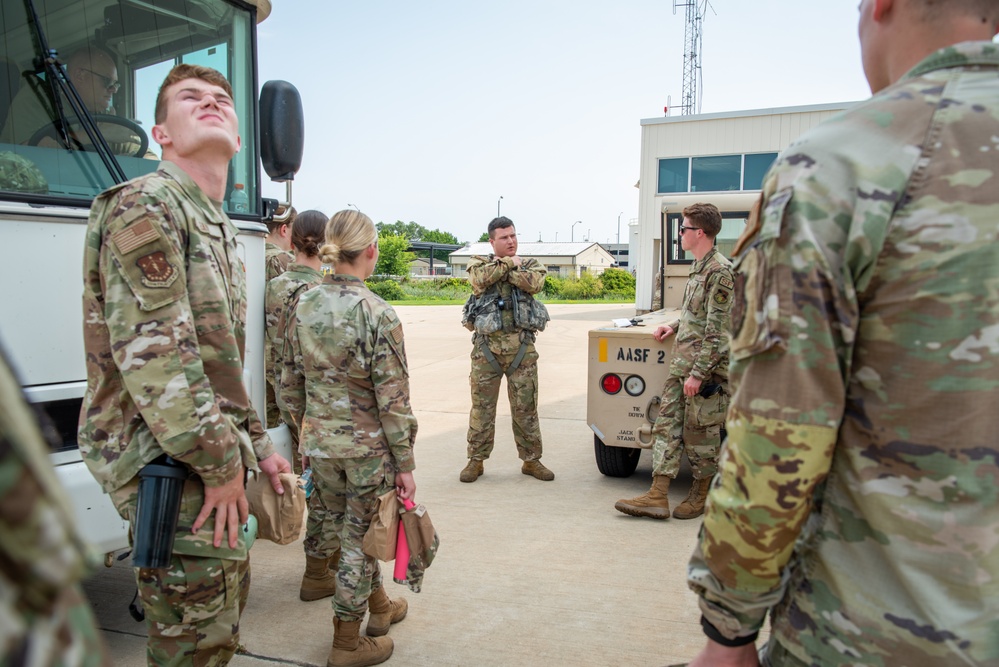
x=684 y=228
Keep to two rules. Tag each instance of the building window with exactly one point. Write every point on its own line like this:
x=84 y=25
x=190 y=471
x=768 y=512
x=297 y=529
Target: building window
x=714 y=173
x=717 y=173
x=756 y=168
x=673 y=175
x=554 y=270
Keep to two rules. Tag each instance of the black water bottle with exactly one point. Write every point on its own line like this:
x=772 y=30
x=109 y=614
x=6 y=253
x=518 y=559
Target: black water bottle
x=161 y=484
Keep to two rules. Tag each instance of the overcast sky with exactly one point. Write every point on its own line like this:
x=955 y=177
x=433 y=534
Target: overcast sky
x=431 y=111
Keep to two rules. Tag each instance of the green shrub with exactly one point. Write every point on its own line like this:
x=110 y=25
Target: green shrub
x=452 y=283
x=587 y=286
x=618 y=280
x=553 y=286
x=388 y=290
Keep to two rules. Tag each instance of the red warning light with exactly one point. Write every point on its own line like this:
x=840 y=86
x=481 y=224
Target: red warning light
x=611 y=383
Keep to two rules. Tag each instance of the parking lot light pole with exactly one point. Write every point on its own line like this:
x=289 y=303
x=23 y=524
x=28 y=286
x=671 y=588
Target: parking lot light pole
x=498 y=205
x=572 y=229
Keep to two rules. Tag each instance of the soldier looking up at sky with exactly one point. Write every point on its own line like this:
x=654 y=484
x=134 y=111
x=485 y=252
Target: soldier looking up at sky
x=164 y=333
x=856 y=498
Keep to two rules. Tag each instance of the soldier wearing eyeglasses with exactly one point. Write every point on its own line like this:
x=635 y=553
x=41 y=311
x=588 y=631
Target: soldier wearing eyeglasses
x=695 y=395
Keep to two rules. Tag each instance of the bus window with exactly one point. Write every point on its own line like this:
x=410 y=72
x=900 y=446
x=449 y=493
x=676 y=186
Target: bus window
x=115 y=53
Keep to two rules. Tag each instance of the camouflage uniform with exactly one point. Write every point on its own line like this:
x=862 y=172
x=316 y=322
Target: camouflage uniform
x=700 y=349
x=46 y=618
x=856 y=495
x=346 y=384
x=280 y=299
x=164 y=330
x=277 y=262
x=501 y=273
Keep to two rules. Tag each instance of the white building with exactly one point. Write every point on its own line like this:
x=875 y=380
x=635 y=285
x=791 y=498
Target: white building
x=717 y=158
x=561 y=259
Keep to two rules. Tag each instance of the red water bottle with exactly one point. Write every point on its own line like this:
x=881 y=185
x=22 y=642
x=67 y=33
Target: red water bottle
x=402 y=548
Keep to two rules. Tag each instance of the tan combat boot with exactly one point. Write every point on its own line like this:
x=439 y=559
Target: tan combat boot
x=319 y=580
x=384 y=612
x=472 y=471
x=654 y=503
x=693 y=505
x=351 y=650
x=537 y=470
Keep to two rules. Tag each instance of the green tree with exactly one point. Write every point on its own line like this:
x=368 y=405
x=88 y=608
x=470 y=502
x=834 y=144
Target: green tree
x=484 y=237
x=618 y=280
x=437 y=236
x=408 y=230
x=393 y=256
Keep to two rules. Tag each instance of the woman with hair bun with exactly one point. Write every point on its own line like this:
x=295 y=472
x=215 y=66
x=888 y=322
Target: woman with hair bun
x=308 y=233
x=347 y=385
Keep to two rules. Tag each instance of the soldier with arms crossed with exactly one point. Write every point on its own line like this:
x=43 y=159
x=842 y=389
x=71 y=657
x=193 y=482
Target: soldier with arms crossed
x=856 y=498
x=695 y=394
x=164 y=332
x=506 y=321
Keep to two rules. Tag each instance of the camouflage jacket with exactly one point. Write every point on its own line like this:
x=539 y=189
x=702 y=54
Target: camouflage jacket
x=46 y=619
x=501 y=273
x=345 y=381
x=277 y=260
x=856 y=495
x=164 y=308
x=280 y=300
x=700 y=346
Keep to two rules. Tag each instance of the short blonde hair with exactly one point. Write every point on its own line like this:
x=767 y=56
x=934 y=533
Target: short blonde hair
x=185 y=71
x=348 y=233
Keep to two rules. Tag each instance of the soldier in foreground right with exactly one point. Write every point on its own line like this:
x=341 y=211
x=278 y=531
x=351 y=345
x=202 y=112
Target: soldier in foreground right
x=856 y=496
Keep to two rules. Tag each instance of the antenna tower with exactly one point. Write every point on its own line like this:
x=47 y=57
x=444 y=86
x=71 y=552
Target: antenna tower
x=690 y=103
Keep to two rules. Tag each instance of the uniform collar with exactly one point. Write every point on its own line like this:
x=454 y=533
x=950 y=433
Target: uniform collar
x=191 y=189
x=700 y=263
x=958 y=55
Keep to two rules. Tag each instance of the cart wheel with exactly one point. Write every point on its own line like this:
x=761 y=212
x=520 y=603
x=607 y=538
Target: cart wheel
x=615 y=461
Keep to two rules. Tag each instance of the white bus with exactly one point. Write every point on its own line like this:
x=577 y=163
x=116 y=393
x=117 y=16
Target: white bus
x=56 y=154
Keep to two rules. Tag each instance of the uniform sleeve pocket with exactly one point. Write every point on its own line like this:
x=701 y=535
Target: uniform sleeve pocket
x=149 y=264
x=761 y=309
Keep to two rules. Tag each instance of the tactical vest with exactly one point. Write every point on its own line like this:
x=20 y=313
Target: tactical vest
x=484 y=314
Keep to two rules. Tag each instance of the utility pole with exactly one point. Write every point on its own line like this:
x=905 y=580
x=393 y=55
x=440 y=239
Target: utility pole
x=690 y=102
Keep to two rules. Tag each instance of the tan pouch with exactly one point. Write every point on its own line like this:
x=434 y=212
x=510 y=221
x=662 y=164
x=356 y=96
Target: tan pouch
x=279 y=518
x=380 y=540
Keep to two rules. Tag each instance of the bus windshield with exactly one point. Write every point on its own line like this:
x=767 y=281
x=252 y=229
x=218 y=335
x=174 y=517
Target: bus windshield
x=115 y=53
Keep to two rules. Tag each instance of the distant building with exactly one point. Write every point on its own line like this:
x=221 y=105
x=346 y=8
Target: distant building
x=421 y=267
x=561 y=259
x=619 y=251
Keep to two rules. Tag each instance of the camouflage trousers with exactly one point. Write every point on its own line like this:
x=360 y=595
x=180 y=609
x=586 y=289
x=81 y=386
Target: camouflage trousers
x=349 y=489
x=522 y=390
x=322 y=538
x=273 y=413
x=193 y=609
x=688 y=424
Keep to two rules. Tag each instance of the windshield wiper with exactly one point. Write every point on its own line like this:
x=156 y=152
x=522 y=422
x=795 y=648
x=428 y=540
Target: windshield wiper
x=59 y=84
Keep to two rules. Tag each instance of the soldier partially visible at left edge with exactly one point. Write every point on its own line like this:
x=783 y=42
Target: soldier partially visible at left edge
x=44 y=617
x=164 y=334
x=506 y=320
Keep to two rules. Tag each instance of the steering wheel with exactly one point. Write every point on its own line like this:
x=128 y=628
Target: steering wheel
x=132 y=142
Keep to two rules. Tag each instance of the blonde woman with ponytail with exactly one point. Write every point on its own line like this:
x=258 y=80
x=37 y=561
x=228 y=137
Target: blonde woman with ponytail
x=347 y=387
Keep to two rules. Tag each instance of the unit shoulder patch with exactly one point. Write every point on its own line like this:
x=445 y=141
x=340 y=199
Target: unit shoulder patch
x=157 y=271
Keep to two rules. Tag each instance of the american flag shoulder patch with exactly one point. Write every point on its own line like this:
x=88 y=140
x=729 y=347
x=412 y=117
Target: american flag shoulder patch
x=135 y=236
x=396 y=333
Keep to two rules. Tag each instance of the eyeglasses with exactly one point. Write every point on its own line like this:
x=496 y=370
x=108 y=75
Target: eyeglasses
x=109 y=84
x=684 y=228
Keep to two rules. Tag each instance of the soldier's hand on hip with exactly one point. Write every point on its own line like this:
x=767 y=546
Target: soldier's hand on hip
x=691 y=386
x=231 y=510
x=273 y=466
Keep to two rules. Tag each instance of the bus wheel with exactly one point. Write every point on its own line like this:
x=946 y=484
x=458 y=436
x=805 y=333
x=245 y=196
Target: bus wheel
x=615 y=461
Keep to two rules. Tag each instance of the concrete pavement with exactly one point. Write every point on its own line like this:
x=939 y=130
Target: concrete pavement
x=529 y=573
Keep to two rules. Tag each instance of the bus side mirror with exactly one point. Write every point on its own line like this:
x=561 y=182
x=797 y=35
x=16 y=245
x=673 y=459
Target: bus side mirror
x=282 y=130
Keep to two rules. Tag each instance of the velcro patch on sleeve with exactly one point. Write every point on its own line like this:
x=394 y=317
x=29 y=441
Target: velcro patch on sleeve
x=135 y=236
x=396 y=333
